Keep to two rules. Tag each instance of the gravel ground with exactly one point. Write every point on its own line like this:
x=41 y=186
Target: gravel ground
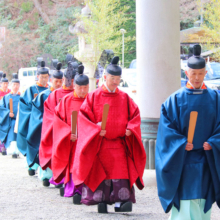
x=23 y=197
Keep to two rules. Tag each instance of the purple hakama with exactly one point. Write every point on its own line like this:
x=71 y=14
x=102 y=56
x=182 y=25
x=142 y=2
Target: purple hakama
x=109 y=191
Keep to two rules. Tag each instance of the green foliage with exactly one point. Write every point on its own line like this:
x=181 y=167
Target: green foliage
x=103 y=27
x=26 y=6
x=50 y=3
x=130 y=27
x=54 y=38
x=29 y=37
x=15 y=4
x=25 y=25
x=212 y=27
x=186 y=24
x=9 y=22
x=6 y=17
x=189 y=12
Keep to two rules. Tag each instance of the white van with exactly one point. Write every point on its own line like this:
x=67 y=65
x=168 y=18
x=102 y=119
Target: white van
x=27 y=77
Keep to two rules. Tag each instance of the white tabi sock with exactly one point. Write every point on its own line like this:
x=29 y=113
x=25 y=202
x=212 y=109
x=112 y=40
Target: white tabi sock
x=117 y=204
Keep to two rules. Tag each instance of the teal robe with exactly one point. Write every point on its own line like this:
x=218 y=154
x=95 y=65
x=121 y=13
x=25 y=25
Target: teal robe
x=7 y=123
x=25 y=107
x=35 y=125
x=195 y=174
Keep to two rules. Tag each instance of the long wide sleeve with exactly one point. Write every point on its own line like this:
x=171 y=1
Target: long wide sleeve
x=4 y=120
x=35 y=126
x=170 y=154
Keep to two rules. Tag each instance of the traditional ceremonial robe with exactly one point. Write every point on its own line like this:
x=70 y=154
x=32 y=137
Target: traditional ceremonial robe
x=2 y=93
x=63 y=147
x=189 y=175
x=25 y=107
x=45 y=151
x=7 y=123
x=114 y=156
x=35 y=125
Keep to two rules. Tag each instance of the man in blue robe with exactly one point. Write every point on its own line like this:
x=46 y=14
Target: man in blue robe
x=7 y=118
x=35 y=125
x=188 y=174
x=4 y=90
x=25 y=107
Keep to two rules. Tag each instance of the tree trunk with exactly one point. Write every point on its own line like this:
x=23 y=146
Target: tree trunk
x=41 y=12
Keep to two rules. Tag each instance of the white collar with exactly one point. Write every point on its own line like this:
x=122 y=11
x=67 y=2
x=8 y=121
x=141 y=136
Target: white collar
x=15 y=93
x=108 y=88
x=193 y=86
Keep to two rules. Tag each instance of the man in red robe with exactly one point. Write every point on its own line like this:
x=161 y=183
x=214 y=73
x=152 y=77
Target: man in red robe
x=108 y=162
x=46 y=145
x=4 y=90
x=64 y=143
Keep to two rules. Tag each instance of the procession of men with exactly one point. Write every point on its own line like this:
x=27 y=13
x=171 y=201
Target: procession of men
x=89 y=144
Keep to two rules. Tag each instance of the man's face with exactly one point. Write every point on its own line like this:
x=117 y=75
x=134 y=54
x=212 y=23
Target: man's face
x=57 y=83
x=15 y=87
x=196 y=77
x=112 y=81
x=81 y=91
x=4 y=86
x=43 y=79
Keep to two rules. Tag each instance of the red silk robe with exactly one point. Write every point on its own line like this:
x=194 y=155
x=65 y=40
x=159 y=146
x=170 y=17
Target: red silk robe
x=45 y=150
x=113 y=156
x=63 y=147
x=2 y=93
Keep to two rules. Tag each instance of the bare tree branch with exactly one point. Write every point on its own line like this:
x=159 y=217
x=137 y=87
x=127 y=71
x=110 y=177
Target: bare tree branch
x=41 y=12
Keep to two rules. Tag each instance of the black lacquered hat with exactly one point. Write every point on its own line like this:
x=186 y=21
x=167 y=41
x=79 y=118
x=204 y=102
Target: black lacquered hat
x=113 y=67
x=81 y=79
x=196 y=61
x=15 y=78
x=4 y=79
x=58 y=74
x=42 y=69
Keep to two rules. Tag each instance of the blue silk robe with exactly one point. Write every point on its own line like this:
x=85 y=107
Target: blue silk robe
x=7 y=123
x=34 y=128
x=181 y=174
x=25 y=107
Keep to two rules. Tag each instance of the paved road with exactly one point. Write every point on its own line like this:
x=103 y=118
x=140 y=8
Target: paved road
x=24 y=198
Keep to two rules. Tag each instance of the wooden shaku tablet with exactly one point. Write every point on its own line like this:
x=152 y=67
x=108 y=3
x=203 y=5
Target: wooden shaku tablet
x=74 y=122
x=60 y=100
x=192 y=126
x=11 y=105
x=104 y=116
x=35 y=95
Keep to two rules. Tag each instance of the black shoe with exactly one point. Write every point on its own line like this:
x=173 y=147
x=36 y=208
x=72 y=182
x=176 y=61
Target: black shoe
x=4 y=153
x=62 y=191
x=46 y=182
x=102 y=208
x=31 y=172
x=125 y=207
x=14 y=156
x=77 y=199
x=59 y=186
